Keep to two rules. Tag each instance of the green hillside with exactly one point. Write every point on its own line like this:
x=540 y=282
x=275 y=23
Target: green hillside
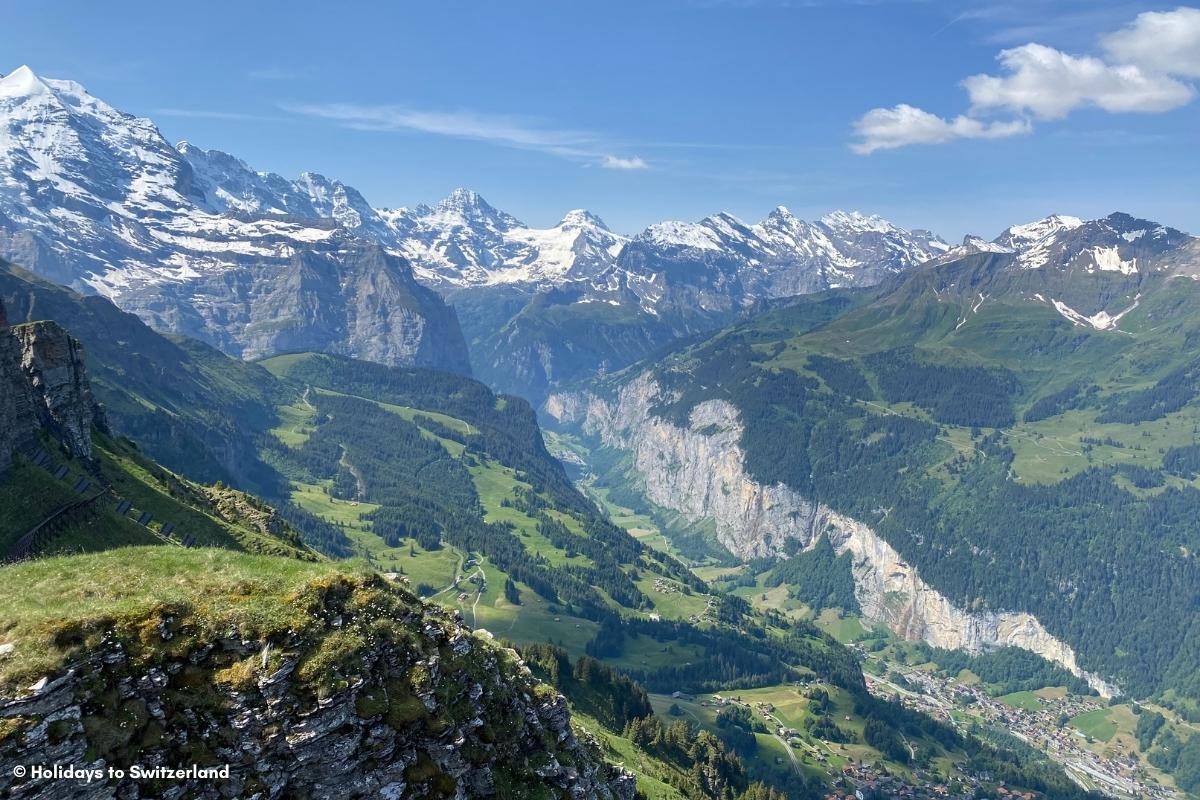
x=449 y=489
x=1037 y=454
x=126 y=499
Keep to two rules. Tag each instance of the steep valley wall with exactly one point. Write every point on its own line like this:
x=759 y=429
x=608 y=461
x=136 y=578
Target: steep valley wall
x=699 y=472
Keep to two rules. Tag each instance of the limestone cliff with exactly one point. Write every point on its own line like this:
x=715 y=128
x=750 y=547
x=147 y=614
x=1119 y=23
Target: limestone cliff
x=44 y=386
x=699 y=473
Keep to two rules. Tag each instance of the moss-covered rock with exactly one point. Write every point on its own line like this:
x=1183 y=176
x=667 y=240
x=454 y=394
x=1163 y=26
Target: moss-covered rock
x=335 y=684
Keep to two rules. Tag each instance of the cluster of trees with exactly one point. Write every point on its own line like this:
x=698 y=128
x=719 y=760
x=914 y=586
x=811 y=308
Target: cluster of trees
x=1009 y=669
x=1180 y=758
x=317 y=533
x=819 y=578
x=1148 y=725
x=967 y=396
x=736 y=727
x=1170 y=393
x=699 y=765
x=1183 y=461
x=841 y=376
x=1075 y=395
x=592 y=686
x=708 y=768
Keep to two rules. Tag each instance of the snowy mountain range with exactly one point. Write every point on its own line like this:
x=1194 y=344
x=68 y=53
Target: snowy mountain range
x=197 y=242
x=99 y=199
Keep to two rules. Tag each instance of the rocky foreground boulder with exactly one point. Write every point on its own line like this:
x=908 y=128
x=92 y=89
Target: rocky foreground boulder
x=340 y=686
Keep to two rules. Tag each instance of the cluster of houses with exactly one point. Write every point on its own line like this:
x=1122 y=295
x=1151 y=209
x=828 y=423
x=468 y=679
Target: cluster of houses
x=1117 y=772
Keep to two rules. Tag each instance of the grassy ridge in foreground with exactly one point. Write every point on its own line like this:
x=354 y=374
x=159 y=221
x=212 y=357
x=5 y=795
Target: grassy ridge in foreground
x=53 y=606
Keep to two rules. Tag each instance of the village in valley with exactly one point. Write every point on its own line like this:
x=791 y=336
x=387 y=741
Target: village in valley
x=1041 y=720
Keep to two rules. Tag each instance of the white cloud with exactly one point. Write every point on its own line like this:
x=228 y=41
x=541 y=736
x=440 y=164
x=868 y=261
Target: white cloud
x=903 y=125
x=507 y=131
x=1166 y=42
x=1051 y=84
x=617 y=162
x=1140 y=72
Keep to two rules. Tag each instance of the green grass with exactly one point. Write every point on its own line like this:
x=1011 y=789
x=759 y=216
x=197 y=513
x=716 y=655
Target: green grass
x=28 y=494
x=279 y=366
x=1097 y=724
x=1026 y=700
x=295 y=424
x=671 y=604
x=536 y=621
x=642 y=652
x=1051 y=450
x=211 y=517
x=649 y=770
x=314 y=499
x=843 y=627
x=53 y=607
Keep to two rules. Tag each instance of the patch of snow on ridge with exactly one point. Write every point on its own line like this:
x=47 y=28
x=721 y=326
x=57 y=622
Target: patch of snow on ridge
x=1101 y=320
x=1108 y=259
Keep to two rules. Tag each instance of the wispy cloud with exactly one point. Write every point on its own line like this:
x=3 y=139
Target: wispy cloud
x=1139 y=71
x=516 y=132
x=616 y=162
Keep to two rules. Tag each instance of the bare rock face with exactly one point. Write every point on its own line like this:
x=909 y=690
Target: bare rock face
x=699 y=472
x=17 y=417
x=52 y=361
x=44 y=386
x=346 y=297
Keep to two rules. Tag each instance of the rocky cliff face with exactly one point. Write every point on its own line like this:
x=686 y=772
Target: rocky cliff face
x=421 y=708
x=17 y=419
x=44 y=386
x=345 y=296
x=699 y=472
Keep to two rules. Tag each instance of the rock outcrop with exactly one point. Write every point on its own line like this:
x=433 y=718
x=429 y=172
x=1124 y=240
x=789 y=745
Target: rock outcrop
x=17 y=420
x=423 y=708
x=699 y=472
x=44 y=386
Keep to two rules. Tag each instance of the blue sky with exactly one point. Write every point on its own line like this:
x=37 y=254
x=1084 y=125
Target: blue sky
x=644 y=111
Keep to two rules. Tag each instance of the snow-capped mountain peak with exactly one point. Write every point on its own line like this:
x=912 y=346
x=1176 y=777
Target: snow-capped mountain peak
x=672 y=233
x=462 y=198
x=845 y=221
x=581 y=218
x=1019 y=237
x=21 y=82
